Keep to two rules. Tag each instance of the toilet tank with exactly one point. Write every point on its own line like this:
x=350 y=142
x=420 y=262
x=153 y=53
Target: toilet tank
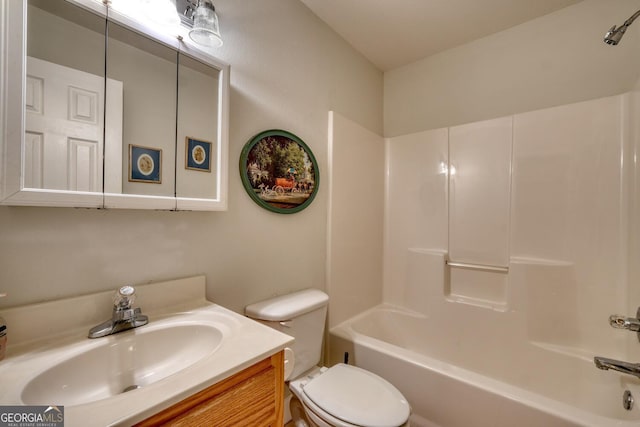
x=301 y=315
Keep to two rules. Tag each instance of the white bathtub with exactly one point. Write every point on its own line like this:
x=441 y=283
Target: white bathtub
x=452 y=381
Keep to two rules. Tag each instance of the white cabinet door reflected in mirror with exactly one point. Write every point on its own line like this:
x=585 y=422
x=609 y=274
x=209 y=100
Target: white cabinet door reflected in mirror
x=107 y=112
x=64 y=122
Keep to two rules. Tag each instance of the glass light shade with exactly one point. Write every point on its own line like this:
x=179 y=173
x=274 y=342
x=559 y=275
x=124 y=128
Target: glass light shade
x=205 y=30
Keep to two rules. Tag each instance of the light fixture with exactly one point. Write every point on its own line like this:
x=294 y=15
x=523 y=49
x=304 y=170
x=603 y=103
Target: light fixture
x=206 y=30
x=199 y=16
x=163 y=12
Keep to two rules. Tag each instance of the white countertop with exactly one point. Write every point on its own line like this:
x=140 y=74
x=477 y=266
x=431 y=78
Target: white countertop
x=179 y=302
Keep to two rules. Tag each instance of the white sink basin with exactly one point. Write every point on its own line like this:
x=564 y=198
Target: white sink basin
x=122 y=362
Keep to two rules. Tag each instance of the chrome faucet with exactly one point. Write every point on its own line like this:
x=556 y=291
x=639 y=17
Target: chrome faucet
x=123 y=316
x=617 y=365
x=620 y=322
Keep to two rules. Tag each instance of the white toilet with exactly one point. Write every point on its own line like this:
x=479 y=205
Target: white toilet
x=340 y=396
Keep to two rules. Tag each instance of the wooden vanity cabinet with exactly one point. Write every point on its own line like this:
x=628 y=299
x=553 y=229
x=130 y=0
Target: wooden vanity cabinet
x=252 y=397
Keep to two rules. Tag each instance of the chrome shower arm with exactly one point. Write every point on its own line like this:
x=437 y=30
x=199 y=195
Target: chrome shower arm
x=631 y=19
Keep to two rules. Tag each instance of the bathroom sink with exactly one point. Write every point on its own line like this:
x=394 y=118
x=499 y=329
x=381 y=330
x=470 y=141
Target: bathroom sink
x=121 y=363
x=189 y=345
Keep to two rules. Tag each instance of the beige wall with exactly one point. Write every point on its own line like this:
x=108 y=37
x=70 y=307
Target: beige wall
x=356 y=218
x=553 y=60
x=287 y=71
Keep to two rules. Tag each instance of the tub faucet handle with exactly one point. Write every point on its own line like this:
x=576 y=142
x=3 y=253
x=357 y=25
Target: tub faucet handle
x=629 y=323
x=620 y=322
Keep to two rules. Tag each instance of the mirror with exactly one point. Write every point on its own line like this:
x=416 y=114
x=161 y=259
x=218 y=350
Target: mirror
x=113 y=113
x=197 y=154
x=64 y=98
x=141 y=149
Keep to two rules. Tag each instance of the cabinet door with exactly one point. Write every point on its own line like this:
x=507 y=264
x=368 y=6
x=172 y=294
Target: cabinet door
x=198 y=143
x=52 y=131
x=253 y=397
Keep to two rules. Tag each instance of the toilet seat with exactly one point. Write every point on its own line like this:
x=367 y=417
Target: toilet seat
x=355 y=397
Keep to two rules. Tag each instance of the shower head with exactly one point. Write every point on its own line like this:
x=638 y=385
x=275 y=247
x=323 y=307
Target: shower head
x=614 y=35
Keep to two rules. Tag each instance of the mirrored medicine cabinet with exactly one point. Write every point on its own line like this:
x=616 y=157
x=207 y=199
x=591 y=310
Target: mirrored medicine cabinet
x=99 y=110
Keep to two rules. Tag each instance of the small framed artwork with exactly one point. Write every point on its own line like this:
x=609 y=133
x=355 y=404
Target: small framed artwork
x=279 y=171
x=198 y=155
x=145 y=164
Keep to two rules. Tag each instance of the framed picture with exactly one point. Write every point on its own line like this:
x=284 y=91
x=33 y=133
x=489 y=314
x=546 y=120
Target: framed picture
x=198 y=154
x=145 y=164
x=279 y=171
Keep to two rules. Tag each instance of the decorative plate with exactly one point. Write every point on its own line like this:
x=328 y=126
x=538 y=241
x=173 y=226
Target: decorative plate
x=279 y=171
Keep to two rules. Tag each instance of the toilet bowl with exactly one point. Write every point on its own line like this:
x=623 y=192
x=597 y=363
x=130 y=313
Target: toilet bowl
x=339 y=396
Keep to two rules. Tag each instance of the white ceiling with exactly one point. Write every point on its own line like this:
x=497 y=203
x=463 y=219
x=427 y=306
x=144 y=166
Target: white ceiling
x=392 y=33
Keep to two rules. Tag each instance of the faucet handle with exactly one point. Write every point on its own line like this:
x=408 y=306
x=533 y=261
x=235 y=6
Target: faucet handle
x=621 y=322
x=617 y=321
x=125 y=297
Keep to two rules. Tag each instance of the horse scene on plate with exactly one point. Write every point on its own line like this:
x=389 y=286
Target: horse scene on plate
x=281 y=171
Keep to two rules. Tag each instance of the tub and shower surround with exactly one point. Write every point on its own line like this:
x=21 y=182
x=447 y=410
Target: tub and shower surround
x=543 y=195
x=541 y=205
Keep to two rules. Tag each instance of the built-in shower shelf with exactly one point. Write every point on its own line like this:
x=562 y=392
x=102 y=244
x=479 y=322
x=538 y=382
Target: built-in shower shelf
x=480 y=285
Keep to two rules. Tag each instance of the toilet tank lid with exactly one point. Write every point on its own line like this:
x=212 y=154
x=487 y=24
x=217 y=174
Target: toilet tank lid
x=286 y=307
